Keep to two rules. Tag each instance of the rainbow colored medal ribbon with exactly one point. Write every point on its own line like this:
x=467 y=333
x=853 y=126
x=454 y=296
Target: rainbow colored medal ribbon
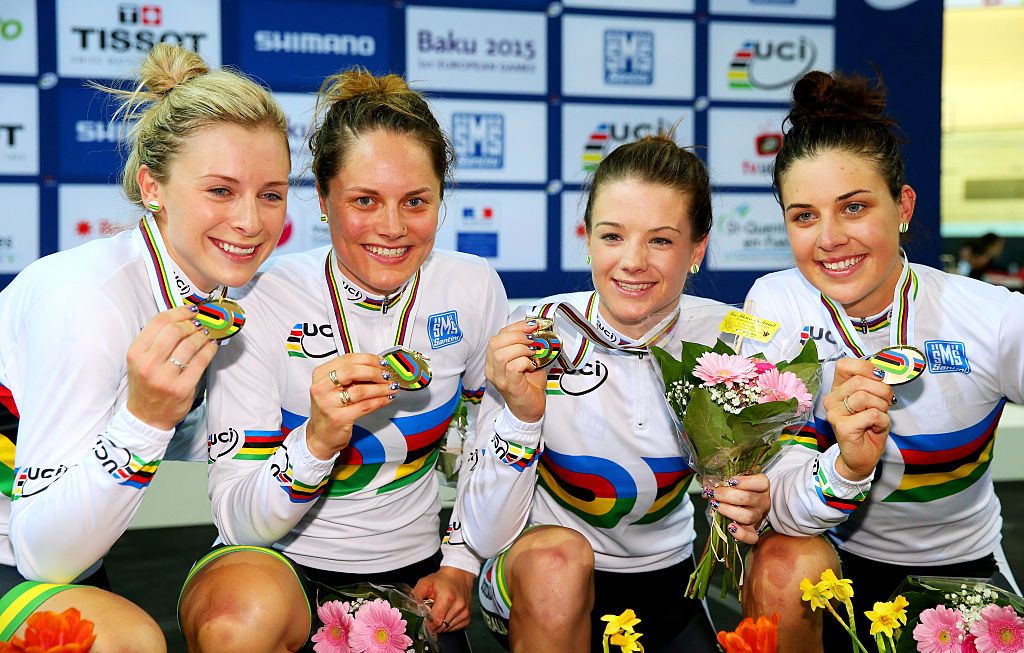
x=547 y=345
x=410 y=368
x=222 y=317
x=900 y=362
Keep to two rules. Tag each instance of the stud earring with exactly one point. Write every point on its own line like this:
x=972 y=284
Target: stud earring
x=323 y=217
x=695 y=268
x=588 y=259
x=153 y=206
x=904 y=227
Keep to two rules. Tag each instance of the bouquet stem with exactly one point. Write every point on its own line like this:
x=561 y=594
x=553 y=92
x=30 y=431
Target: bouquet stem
x=719 y=548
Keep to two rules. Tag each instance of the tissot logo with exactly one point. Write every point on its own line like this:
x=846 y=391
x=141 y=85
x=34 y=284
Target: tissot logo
x=479 y=140
x=629 y=57
x=140 y=14
x=9 y=134
x=131 y=37
x=769 y=64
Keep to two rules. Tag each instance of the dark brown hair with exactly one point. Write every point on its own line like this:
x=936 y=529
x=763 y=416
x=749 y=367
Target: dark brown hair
x=657 y=160
x=844 y=113
x=355 y=102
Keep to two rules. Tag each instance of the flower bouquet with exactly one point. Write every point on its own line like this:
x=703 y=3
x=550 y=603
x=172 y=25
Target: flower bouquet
x=730 y=411
x=449 y=460
x=750 y=636
x=65 y=632
x=371 y=618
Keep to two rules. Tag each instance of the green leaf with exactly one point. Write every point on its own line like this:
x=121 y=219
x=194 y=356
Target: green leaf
x=691 y=352
x=671 y=368
x=705 y=424
x=809 y=353
x=722 y=348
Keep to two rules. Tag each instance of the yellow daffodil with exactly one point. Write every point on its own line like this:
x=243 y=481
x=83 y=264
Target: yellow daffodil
x=885 y=618
x=627 y=642
x=814 y=594
x=840 y=588
x=899 y=609
x=618 y=623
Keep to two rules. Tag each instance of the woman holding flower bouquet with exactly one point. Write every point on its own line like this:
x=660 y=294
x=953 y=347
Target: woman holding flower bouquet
x=897 y=476
x=578 y=496
x=329 y=409
x=103 y=353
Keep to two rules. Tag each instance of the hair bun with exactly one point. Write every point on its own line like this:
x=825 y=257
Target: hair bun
x=818 y=95
x=359 y=81
x=168 y=66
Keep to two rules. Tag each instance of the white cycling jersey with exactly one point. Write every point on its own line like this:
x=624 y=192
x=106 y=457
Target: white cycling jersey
x=931 y=501
x=374 y=507
x=82 y=461
x=604 y=460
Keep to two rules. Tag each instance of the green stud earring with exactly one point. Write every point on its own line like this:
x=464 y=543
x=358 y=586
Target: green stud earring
x=695 y=268
x=588 y=259
x=904 y=227
x=323 y=217
x=153 y=206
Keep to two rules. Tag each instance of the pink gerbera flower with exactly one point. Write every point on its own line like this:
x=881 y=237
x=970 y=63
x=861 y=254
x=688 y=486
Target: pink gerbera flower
x=379 y=628
x=940 y=631
x=714 y=368
x=783 y=386
x=333 y=635
x=763 y=366
x=999 y=630
x=968 y=645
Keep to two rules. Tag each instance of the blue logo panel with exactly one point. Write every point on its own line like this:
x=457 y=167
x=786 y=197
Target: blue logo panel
x=443 y=329
x=946 y=356
x=479 y=140
x=301 y=43
x=629 y=57
x=483 y=244
x=88 y=137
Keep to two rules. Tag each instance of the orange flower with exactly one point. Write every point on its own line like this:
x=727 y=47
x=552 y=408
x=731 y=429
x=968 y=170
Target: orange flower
x=752 y=637
x=49 y=632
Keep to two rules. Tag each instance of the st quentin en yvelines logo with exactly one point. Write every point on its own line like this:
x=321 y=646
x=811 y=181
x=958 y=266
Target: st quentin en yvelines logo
x=767 y=65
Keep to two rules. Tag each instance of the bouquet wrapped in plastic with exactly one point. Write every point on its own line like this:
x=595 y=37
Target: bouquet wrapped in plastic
x=367 y=617
x=730 y=411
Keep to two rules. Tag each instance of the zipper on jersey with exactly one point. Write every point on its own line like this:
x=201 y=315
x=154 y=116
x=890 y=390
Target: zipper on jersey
x=639 y=403
x=863 y=326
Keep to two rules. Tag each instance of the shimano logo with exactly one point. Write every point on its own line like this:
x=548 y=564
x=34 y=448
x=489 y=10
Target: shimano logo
x=361 y=45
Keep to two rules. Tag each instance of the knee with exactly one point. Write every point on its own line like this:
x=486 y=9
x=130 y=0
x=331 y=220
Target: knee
x=778 y=563
x=553 y=579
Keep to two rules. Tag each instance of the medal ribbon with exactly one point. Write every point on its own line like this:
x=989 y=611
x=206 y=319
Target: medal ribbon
x=901 y=328
x=160 y=279
x=342 y=336
x=582 y=324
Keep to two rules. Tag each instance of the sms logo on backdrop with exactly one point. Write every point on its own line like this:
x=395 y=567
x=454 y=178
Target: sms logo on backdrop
x=109 y=38
x=628 y=57
x=479 y=139
x=496 y=141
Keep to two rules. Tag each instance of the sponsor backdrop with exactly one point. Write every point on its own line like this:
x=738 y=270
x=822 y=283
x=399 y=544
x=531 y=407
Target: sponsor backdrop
x=533 y=94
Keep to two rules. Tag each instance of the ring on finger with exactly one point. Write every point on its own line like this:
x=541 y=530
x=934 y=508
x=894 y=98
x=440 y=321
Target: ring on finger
x=846 y=404
x=344 y=398
x=444 y=622
x=177 y=363
x=333 y=376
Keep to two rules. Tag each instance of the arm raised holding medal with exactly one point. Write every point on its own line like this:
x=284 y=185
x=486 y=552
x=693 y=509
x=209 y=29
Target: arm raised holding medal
x=858 y=410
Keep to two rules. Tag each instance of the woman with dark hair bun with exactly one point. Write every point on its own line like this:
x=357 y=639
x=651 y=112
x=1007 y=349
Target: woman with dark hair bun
x=896 y=477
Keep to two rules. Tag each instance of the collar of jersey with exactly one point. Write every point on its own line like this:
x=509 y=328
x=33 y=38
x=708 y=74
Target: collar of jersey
x=624 y=340
x=363 y=299
x=162 y=271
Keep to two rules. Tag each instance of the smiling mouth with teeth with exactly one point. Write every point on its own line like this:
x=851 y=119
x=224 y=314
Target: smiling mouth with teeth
x=232 y=249
x=839 y=266
x=633 y=287
x=391 y=252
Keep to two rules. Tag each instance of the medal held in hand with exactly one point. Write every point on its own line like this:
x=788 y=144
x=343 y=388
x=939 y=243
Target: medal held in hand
x=546 y=343
x=900 y=364
x=223 y=317
x=411 y=369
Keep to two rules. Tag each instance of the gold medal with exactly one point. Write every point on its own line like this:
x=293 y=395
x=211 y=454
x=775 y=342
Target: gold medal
x=546 y=344
x=899 y=364
x=223 y=317
x=410 y=367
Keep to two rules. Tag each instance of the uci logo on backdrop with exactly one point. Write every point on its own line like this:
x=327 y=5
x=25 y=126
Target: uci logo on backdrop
x=479 y=140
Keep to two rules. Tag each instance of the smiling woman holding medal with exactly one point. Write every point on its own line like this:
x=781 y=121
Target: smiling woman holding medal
x=579 y=494
x=328 y=415
x=896 y=473
x=105 y=345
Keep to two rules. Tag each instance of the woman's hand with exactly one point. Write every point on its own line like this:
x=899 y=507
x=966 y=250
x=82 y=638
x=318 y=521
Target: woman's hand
x=858 y=410
x=512 y=369
x=342 y=391
x=745 y=501
x=451 y=591
x=165 y=362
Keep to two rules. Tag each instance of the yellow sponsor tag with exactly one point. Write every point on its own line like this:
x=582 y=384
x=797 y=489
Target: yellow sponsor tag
x=748 y=326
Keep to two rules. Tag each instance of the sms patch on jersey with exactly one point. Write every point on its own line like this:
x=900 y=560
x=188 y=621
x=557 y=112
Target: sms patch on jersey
x=945 y=356
x=443 y=329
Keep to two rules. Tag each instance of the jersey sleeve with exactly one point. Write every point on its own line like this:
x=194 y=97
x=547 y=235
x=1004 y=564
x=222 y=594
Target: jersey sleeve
x=81 y=468
x=263 y=478
x=494 y=316
x=1010 y=354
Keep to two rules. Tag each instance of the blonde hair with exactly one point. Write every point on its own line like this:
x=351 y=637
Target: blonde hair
x=355 y=102
x=175 y=95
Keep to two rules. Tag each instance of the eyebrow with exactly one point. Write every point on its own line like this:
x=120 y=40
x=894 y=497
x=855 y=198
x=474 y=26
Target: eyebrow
x=235 y=181
x=616 y=225
x=840 y=198
x=373 y=191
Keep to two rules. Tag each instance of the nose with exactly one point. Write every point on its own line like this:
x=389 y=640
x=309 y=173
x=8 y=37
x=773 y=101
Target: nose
x=391 y=224
x=634 y=256
x=832 y=233
x=246 y=219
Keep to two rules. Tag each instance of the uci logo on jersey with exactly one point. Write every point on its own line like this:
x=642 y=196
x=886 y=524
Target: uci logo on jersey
x=946 y=356
x=443 y=329
x=302 y=341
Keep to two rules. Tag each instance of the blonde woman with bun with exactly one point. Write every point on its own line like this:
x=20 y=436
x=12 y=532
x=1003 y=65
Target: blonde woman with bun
x=101 y=359
x=321 y=464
